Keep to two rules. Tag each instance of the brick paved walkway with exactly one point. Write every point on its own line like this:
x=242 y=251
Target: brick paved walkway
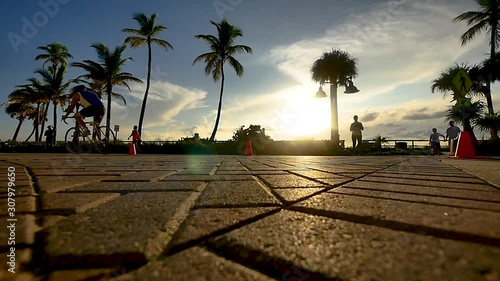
x=164 y=217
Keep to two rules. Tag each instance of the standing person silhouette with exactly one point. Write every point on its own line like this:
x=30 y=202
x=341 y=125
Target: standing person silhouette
x=49 y=137
x=452 y=134
x=136 y=139
x=356 y=128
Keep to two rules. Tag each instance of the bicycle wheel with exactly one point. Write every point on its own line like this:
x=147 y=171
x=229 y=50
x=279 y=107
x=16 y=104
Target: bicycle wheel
x=75 y=143
x=104 y=146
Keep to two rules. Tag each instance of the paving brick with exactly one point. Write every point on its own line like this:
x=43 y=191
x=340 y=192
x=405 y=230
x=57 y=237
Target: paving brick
x=140 y=186
x=50 y=184
x=289 y=195
x=200 y=171
x=141 y=176
x=126 y=231
x=435 y=200
x=488 y=169
x=79 y=275
x=21 y=276
x=479 y=195
x=209 y=178
x=25 y=228
x=245 y=172
x=203 y=222
x=335 y=181
x=235 y=193
x=423 y=182
x=440 y=178
x=474 y=222
x=318 y=174
x=21 y=190
x=194 y=264
x=286 y=181
x=320 y=248
x=22 y=205
x=72 y=203
x=50 y=220
x=22 y=259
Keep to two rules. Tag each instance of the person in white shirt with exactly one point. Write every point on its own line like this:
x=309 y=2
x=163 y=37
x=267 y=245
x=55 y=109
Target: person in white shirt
x=452 y=134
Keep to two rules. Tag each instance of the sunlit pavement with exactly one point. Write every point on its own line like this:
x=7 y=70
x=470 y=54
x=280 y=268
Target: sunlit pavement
x=166 y=217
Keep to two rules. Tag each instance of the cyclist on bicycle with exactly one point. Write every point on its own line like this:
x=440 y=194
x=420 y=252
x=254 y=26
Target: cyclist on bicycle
x=92 y=106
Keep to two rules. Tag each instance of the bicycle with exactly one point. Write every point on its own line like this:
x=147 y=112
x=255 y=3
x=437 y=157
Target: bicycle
x=76 y=142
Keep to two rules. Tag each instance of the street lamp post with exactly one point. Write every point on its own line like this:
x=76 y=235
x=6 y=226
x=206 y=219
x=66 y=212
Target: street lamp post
x=350 y=89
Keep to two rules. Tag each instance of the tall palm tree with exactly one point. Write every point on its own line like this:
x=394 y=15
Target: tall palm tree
x=146 y=34
x=107 y=71
x=54 y=87
x=222 y=50
x=56 y=54
x=488 y=18
x=21 y=111
x=334 y=67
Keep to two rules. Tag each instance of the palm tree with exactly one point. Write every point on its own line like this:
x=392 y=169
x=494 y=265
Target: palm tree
x=56 y=54
x=489 y=122
x=222 y=51
x=107 y=72
x=20 y=111
x=54 y=87
x=335 y=67
x=464 y=111
x=146 y=34
x=379 y=140
x=31 y=94
x=488 y=18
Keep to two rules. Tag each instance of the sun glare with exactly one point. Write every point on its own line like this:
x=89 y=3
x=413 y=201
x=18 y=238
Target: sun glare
x=305 y=117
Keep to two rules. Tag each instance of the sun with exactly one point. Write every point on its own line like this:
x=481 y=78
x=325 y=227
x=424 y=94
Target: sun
x=306 y=117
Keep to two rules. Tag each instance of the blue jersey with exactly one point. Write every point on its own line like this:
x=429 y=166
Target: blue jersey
x=88 y=98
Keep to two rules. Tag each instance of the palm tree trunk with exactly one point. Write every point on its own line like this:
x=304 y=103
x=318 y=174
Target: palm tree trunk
x=109 y=90
x=334 y=133
x=144 y=100
x=35 y=126
x=43 y=121
x=489 y=100
x=38 y=113
x=468 y=128
x=490 y=75
x=212 y=137
x=55 y=121
x=17 y=129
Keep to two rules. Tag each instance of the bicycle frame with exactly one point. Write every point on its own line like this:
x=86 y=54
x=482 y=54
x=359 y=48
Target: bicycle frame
x=79 y=143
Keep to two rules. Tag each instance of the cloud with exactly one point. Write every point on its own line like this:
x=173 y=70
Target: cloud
x=166 y=101
x=397 y=43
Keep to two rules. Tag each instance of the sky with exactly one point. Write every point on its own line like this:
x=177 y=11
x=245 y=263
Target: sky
x=400 y=47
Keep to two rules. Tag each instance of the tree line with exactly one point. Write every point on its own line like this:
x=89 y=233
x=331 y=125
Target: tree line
x=32 y=100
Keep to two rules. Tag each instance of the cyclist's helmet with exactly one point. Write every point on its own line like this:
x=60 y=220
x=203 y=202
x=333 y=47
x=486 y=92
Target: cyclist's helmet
x=79 y=88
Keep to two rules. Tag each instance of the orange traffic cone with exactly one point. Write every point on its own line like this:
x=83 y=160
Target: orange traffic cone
x=248 y=149
x=131 y=150
x=465 y=147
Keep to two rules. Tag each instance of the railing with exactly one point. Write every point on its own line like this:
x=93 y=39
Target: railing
x=391 y=143
x=409 y=143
